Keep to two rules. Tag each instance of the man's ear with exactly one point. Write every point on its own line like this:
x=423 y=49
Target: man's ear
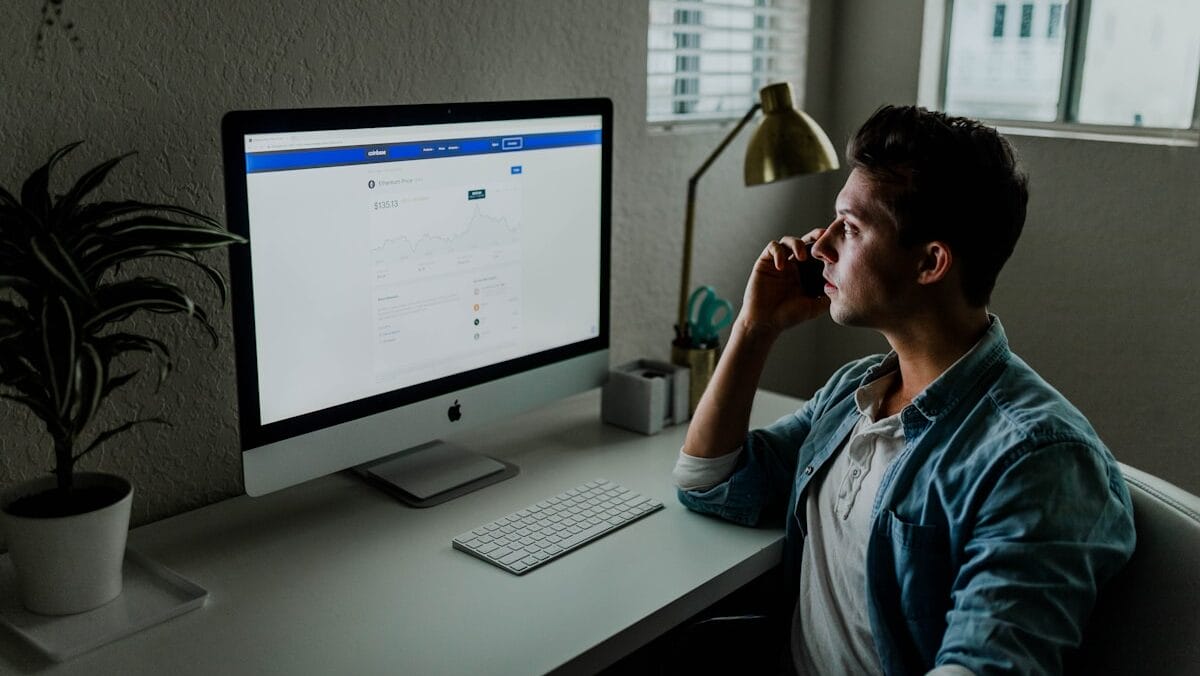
x=935 y=262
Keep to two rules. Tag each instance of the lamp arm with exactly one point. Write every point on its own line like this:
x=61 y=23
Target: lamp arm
x=681 y=329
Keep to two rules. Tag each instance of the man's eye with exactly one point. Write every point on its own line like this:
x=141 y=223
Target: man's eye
x=850 y=230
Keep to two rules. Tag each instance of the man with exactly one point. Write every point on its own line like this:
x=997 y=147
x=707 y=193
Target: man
x=946 y=510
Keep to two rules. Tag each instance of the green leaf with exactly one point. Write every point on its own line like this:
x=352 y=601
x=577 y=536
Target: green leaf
x=167 y=232
x=201 y=316
x=39 y=408
x=98 y=214
x=109 y=434
x=217 y=279
x=91 y=376
x=7 y=201
x=23 y=383
x=155 y=230
x=19 y=374
x=59 y=264
x=10 y=329
x=35 y=193
x=14 y=320
x=19 y=282
x=14 y=359
x=117 y=344
x=16 y=226
x=86 y=183
x=115 y=382
x=59 y=346
x=134 y=238
x=118 y=301
x=13 y=311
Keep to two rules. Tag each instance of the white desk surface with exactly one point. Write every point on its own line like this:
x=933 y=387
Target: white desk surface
x=336 y=577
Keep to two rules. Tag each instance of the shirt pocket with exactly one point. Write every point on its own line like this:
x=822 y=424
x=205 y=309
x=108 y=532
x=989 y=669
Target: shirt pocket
x=920 y=558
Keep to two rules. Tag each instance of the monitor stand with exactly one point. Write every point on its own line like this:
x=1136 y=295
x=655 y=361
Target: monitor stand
x=430 y=474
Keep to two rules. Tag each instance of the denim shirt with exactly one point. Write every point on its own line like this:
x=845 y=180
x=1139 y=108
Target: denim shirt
x=993 y=529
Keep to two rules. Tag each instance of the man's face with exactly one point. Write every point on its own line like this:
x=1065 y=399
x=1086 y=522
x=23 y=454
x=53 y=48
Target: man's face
x=870 y=277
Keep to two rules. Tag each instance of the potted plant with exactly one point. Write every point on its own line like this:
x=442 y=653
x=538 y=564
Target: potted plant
x=67 y=287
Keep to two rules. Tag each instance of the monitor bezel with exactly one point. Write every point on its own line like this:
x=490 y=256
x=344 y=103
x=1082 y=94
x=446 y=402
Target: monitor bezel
x=237 y=124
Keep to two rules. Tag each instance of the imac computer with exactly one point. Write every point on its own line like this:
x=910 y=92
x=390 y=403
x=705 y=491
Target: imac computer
x=412 y=271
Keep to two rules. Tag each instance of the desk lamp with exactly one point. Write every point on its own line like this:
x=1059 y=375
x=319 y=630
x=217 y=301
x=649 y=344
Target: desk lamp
x=787 y=143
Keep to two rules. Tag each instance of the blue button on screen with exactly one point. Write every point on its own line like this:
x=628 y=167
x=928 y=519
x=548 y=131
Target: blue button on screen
x=516 y=169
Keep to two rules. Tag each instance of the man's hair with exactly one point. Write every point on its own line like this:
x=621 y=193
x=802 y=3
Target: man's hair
x=949 y=179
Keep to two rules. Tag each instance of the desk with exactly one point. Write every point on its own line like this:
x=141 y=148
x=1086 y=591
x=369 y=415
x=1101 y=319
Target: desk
x=336 y=577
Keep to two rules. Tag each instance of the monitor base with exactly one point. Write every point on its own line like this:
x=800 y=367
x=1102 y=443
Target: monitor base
x=434 y=473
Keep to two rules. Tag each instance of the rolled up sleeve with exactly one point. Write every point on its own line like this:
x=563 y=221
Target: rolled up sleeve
x=756 y=492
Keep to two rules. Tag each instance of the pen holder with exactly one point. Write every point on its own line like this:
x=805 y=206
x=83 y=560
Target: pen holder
x=700 y=362
x=644 y=396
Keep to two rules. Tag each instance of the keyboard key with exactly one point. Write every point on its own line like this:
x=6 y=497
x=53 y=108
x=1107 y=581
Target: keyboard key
x=512 y=557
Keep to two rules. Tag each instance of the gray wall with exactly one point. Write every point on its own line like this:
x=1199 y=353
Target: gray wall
x=1101 y=294
x=1098 y=296
x=156 y=76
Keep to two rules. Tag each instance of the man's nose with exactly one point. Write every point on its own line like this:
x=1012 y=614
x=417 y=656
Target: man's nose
x=822 y=249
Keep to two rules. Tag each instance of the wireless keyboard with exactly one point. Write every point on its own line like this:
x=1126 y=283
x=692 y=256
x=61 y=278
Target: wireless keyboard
x=555 y=526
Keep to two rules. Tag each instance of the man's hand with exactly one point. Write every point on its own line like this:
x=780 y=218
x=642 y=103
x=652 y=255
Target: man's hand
x=774 y=300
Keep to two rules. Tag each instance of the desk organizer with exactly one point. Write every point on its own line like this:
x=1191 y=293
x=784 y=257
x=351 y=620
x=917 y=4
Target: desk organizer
x=644 y=396
x=151 y=593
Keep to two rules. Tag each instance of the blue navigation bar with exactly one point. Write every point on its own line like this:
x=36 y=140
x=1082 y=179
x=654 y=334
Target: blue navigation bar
x=418 y=150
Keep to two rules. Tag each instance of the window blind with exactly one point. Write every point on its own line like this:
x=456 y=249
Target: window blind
x=707 y=59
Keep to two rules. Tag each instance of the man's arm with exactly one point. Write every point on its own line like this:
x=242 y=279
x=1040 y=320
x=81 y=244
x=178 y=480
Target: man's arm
x=723 y=414
x=773 y=302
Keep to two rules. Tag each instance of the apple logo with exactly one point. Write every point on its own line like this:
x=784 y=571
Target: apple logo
x=455 y=411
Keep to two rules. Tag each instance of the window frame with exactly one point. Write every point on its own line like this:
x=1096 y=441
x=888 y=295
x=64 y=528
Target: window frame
x=935 y=61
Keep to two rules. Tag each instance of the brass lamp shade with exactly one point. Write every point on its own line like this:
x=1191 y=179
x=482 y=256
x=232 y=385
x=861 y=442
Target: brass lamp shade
x=787 y=142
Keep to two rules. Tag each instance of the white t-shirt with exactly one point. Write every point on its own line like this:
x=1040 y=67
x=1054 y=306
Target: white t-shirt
x=831 y=632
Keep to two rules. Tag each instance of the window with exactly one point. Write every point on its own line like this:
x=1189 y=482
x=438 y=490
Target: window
x=707 y=59
x=1110 y=63
x=1026 y=20
x=1054 y=25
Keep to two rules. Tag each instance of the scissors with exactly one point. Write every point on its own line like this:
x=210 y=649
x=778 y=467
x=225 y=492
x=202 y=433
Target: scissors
x=713 y=314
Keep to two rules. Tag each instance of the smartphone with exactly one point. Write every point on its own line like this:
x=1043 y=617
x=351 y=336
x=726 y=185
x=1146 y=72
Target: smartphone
x=812 y=275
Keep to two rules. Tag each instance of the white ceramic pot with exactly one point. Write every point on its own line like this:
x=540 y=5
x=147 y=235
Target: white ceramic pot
x=68 y=564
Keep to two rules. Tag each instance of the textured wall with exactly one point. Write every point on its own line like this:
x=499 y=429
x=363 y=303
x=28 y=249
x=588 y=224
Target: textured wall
x=1100 y=295
x=156 y=76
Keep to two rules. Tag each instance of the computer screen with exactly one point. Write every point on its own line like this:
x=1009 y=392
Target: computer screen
x=411 y=271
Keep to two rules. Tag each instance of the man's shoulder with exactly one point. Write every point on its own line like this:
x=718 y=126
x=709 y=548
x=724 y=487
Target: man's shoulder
x=1036 y=410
